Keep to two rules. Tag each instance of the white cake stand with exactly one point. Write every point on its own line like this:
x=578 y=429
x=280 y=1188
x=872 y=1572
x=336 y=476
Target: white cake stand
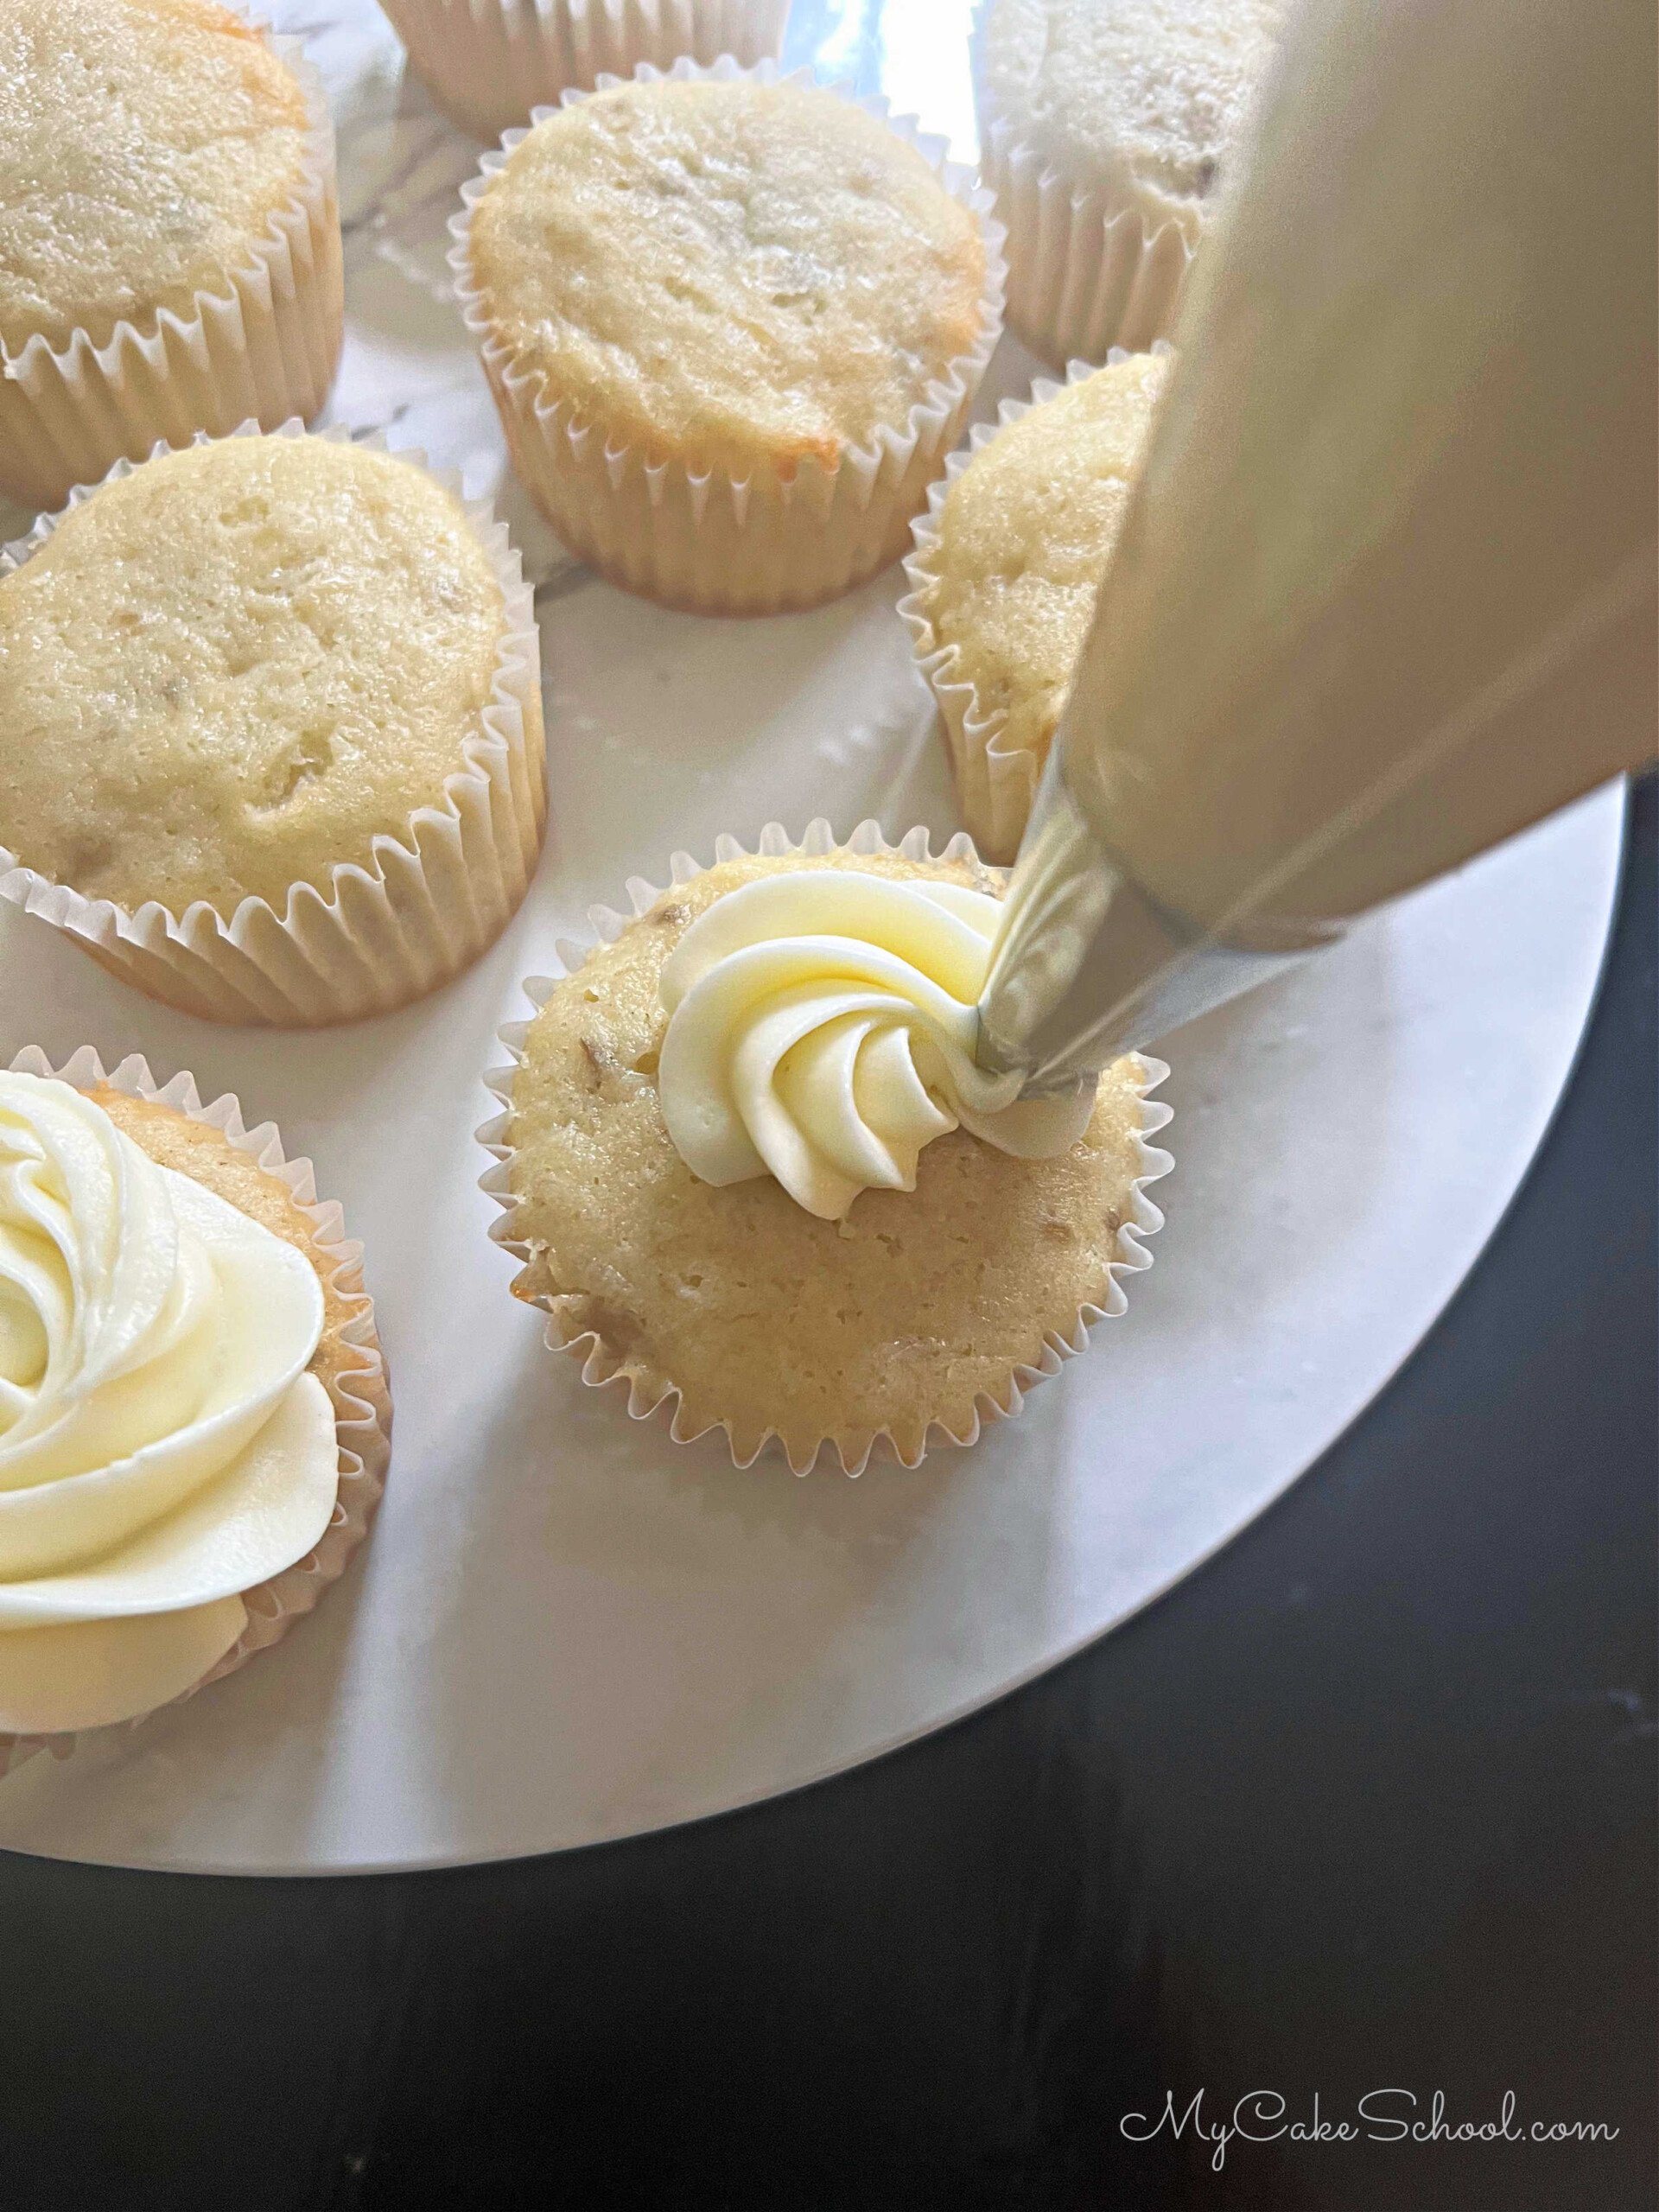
x=565 y=1628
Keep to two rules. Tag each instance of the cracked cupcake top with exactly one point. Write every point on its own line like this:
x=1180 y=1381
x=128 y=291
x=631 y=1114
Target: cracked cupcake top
x=231 y=670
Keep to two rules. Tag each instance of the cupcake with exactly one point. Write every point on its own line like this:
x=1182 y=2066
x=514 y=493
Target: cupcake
x=487 y=63
x=169 y=238
x=271 y=735
x=732 y=322
x=1105 y=128
x=194 y=1416
x=1006 y=569
x=750 y=1168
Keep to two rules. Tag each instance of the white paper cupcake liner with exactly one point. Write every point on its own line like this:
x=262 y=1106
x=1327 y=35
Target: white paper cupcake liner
x=361 y=1402
x=427 y=906
x=487 y=63
x=650 y=1398
x=709 y=542
x=263 y=349
x=1084 y=274
x=995 y=784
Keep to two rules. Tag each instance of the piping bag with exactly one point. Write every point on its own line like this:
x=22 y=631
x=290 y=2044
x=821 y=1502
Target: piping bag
x=1385 y=593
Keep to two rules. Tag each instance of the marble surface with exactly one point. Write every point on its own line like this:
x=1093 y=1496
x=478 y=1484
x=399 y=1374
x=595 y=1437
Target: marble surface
x=565 y=1628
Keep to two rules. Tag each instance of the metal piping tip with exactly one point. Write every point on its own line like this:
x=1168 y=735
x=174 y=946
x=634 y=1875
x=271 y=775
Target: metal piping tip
x=1087 y=966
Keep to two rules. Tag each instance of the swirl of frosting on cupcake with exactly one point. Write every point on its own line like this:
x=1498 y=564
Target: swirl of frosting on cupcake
x=162 y=1447
x=821 y=1030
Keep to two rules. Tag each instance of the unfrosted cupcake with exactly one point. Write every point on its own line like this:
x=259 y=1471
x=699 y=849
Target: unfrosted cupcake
x=169 y=238
x=732 y=323
x=1007 y=566
x=1106 y=127
x=270 y=737
x=194 y=1414
x=487 y=63
x=749 y=1166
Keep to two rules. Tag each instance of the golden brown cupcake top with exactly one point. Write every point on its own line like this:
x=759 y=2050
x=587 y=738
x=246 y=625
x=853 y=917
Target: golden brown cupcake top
x=144 y=147
x=727 y=273
x=228 y=672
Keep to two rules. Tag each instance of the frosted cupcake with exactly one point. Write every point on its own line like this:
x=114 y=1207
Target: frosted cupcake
x=733 y=323
x=1106 y=129
x=169 y=238
x=1008 y=566
x=487 y=63
x=193 y=1416
x=751 y=1169
x=313 y=784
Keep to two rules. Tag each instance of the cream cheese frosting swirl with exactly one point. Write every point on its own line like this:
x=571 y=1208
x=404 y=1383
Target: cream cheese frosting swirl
x=162 y=1447
x=821 y=1029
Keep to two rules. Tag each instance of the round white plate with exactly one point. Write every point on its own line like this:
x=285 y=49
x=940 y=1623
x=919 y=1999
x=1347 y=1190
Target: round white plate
x=565 y=1628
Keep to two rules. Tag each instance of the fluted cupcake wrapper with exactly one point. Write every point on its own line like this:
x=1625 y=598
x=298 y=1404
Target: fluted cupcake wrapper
x=996 y=783
x=428 y=905
x=652 y=1396
x=1084 y=274
x=710 y=543
x=487 y=63
x=263 y=349
x=361 y=1401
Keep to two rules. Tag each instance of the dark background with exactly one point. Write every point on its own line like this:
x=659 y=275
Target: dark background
x=1367 y=1804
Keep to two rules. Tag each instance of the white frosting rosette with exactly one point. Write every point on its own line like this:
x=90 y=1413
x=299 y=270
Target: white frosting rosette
x=821 y=1029
x=823 y=1036
x=175 y=1483
x=487 y=63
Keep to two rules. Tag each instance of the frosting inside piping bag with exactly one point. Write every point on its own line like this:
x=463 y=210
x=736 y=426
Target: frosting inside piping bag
x=822 y=1024
x=162 y=1448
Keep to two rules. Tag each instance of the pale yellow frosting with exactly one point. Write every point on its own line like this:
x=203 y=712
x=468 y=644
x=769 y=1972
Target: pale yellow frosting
x=162 y=1447
x=822 y=1028
x=231 y=672
x=736 y=274
x=144 y=147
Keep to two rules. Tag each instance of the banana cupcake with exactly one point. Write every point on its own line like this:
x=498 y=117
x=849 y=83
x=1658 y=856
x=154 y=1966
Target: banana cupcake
x=1106 y=128
x=751 y=1170
x=271 y=733
x=1008 y=566
x=733 y=323
x=194 y=1416
x=487 y=63
x=169 y=235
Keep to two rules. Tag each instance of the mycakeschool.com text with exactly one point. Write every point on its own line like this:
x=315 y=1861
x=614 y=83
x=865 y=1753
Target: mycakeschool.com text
x=1401 y=2116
